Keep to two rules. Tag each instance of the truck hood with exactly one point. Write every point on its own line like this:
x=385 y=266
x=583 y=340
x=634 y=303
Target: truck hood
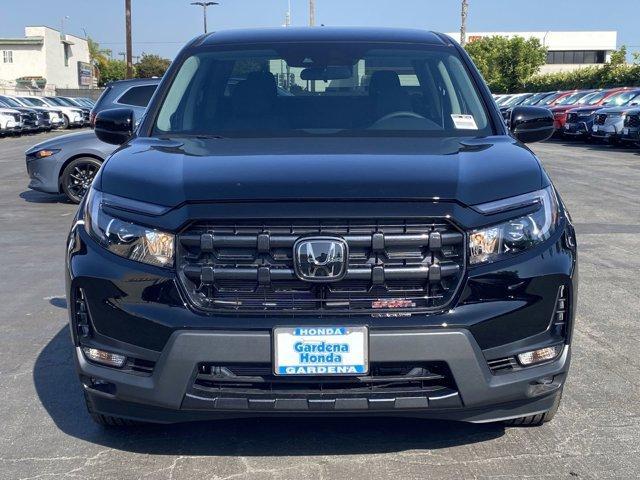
x=171 y=172
x=583 y=110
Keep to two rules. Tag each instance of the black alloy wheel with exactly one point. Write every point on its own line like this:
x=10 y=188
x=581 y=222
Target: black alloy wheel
x=77 y=176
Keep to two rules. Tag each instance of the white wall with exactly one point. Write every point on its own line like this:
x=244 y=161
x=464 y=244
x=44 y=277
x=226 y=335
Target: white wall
x=46 y=60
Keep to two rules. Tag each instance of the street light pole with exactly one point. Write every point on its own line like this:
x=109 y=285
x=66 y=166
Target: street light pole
x=204 y=6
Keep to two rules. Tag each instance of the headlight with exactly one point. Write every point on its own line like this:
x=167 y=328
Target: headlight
x=126 y=239
x=517 y=235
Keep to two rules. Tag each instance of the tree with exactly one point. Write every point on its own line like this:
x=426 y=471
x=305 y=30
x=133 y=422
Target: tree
x=99 y=58
x=112 y=70
x=619 y=57
x=151 y=66
x=507 y=63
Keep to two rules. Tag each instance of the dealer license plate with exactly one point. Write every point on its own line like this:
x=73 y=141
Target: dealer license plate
x=625 y=131
x=321 y=351
x=595 y=128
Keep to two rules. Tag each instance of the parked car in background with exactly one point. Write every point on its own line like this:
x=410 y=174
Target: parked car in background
x=631 y=127
x=579 y=120
x=134 y=94
x=28 y=116
x=55 y=116
x=10 y=121
x=68 y=164
x=561 y=107
x=65 y=102
x=71 y=116
x=514 y=101
x=609 y=121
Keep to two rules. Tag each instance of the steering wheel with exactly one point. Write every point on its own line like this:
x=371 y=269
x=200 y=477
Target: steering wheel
x=401 y=114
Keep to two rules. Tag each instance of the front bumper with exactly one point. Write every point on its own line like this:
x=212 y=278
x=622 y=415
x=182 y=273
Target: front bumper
x=630 y=134
x=44 y=173
x=607 y=132
x=480 y=396
x=577 y=129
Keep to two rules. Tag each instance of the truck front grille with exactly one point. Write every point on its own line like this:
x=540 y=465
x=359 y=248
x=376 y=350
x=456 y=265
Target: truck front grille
x=601 y=118
x=394 y=267
x=632 y=121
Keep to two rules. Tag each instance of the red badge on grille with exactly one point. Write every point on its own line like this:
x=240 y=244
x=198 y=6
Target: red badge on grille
x=392 y=303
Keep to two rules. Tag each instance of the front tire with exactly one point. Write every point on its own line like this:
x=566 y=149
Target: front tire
x=66 y=122
x=539 y=419
x=77 y=176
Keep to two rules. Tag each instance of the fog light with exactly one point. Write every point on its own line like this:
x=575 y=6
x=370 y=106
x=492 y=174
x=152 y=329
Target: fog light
x=538 y=356
x=105 y=358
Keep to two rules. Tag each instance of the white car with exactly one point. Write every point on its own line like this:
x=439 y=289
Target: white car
x=71 y=116
x=55 y=114
x=10 y=121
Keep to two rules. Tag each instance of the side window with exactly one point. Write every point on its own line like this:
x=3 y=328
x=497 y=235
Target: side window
x=137 y=96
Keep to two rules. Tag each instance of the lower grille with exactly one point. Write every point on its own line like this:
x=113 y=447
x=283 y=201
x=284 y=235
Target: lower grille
x=258 y=380
x=392 y=267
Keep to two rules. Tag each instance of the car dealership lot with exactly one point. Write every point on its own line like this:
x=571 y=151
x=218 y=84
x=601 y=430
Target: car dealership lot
x=48 y=434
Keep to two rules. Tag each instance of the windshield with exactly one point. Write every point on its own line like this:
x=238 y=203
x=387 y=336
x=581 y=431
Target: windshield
x=533 y=98
x=593 y=99
x=620 y=99
x=70 y=101
x=60 y=102
x=550 y=99
x=329 y=89
x=34 y=102
x=571 y=99
x=10 y=102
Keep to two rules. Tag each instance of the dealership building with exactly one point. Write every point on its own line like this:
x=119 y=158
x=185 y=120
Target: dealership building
x=566 y=51
x=44 y=59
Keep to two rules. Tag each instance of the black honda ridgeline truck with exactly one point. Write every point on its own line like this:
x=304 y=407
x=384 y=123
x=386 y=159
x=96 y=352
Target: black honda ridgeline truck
x=322 y=221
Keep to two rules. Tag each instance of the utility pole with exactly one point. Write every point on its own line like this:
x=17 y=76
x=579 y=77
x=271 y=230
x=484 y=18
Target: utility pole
x=312 y=13
x=463 y=24
x=127 y=15
x=204 y=6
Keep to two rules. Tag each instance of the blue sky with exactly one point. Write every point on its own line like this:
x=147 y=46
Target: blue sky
x=163 y=26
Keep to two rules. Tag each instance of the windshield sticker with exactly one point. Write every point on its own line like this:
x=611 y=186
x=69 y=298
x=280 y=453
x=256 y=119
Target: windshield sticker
x=464 y=122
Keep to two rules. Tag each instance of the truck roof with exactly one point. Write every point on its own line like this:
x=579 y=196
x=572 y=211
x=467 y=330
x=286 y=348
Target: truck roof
x=324 y=34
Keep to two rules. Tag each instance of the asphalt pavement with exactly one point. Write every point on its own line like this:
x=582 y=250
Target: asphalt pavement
x=46 y=432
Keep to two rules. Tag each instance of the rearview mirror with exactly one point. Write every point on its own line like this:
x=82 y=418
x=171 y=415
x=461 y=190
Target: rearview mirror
x=326 y=73
x=531 y=124
x=114 y=126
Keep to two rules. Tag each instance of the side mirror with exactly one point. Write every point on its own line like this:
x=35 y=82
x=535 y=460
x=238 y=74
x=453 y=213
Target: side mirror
x=114 y=126
x=531 y=124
